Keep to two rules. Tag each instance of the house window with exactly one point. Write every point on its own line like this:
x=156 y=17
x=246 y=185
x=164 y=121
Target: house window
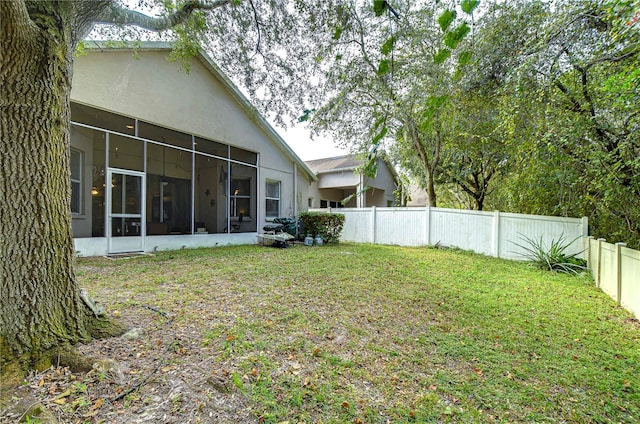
x=331 y=204
x=76 y=181
x=273 y=199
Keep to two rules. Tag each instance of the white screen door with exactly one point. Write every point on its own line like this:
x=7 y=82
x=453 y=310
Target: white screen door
x=125 y=206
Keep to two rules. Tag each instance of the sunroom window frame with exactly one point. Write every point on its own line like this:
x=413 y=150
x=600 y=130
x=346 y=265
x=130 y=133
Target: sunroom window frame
x=267 y=198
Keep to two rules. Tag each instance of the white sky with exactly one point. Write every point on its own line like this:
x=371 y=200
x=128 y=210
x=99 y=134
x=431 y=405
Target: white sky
x=299 y=139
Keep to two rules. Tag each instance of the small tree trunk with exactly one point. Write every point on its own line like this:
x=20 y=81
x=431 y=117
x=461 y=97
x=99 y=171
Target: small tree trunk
x=427 y=164
x=431 y=192
x=40 y=307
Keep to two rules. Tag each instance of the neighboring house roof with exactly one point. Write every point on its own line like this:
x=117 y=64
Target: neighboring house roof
x=343 y=163
x=226 y=81
x=338 y=163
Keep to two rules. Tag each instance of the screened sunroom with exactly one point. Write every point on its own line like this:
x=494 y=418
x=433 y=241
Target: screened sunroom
x=146 y=180
x=167 y=159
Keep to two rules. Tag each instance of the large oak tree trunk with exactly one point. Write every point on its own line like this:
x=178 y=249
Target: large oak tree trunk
x=40 y=306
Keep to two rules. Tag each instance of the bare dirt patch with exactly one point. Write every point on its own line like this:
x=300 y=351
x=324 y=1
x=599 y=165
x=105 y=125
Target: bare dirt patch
x=158 y=372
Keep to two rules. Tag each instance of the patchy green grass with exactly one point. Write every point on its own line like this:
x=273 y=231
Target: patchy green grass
x=359 y=333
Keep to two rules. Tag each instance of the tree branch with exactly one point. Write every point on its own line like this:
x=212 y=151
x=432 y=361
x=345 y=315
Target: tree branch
x=612 y=58
x=122 y=16
x=576 y=107
x=361 y=43
x=255 y=17
x=584 y=83
x=627 y=121
x=85 y=16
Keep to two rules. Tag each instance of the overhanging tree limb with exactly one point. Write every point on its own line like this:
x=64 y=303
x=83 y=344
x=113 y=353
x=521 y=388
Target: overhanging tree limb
x=613 y=58
x=118 y=15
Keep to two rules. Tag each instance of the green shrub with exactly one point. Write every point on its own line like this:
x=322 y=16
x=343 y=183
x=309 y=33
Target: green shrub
x=553 y=257
x=326 y=225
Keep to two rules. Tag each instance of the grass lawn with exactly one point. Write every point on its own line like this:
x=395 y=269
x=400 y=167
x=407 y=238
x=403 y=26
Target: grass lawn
x=376 y=334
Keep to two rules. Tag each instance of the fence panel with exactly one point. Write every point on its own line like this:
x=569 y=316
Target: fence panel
x=514 y=228
x=469 y=230
x=489 y=233
x=357 y=225
x=630 y=280
x=402 y=226
x=608 y=279
x=616 y=270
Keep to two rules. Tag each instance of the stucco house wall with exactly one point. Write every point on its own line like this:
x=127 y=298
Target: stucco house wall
x=338 y=179
x=382 y=187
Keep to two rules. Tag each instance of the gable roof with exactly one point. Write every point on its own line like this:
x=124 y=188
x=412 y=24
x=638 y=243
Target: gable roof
x=337 y=163
x=251 y=111
x=344 y=163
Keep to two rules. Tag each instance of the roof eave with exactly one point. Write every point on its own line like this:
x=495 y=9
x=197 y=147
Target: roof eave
x=254 y=113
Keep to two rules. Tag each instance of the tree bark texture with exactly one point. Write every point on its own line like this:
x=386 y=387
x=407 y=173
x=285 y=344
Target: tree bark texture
x=40 y=307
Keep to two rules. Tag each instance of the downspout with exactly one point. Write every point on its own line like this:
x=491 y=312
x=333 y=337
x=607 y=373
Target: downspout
x=295 y=195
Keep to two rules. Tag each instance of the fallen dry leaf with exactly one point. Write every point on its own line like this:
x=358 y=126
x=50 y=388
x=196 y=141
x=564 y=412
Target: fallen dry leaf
x=64 y=394
x=97 y=404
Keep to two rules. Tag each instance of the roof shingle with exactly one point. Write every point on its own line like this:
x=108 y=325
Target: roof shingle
x=334 y=163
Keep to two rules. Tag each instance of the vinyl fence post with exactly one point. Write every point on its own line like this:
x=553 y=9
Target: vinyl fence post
x=585 y=233
x=496 y=234
x=599 y=263
x=373 y=224
x=585 y=226
x=427 y=225
x=587 y=249
x=619 y=272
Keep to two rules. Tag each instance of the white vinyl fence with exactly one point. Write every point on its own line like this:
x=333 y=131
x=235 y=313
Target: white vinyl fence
x=616 y=271
x=491 y=233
